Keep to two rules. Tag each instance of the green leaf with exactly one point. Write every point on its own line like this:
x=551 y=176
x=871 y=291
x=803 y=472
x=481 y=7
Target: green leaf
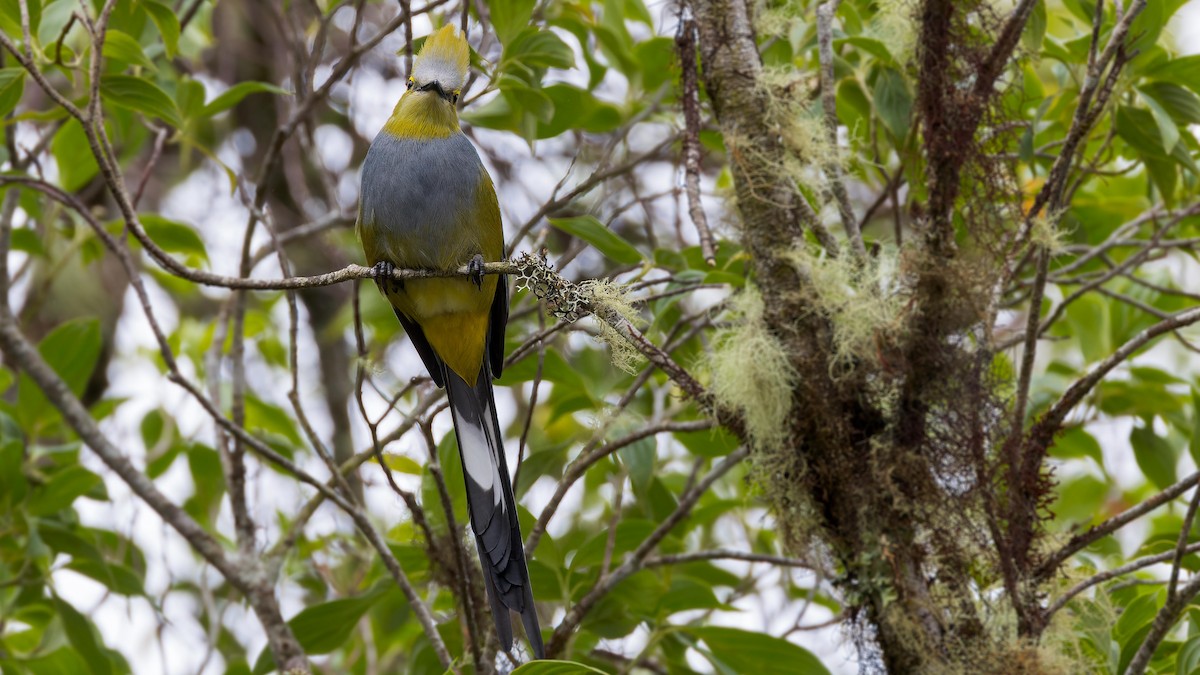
x=551 y=667
x=1168 y=132
x=1194 y=441
x=12 y=86
x=869 y=45
x=62 y=661
x=71 y=350
x=1079 y=499
x=1183 y=71
x=82 y=637
x=715 y=442
x=748 y=652
x=62 y=490
x=605 y=240
x=1131 y=127
x=1165 y=176
x=117 y=578
x=1075 y=443
x=1146 y=27
x=894 y=102
x=73 y=156
x=638 y=458
x=10 y=16
x=630 y=532
x=1035 y=28
x=510 y=17
x=122 y=47
x=324 y=627
x=575 y=108
x=531 y=100
x=1187 y=662
x=268 y=417
x=233 y=95
x=204 y=464
x=657 y=60
x=140 y=95
x=1089 y=320
x=686 y=594
x=452 y=474
x=173 y=237
x=168 y=25
x=534 y=48
x=28 y=241
x=1133 y=625
x=400 y=463
x=13 y=484
x=1154 y=455
x=1182 y=105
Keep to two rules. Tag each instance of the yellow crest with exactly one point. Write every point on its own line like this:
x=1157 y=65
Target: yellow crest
x=444 y=58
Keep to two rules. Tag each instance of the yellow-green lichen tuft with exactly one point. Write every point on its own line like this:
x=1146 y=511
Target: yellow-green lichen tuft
x=894 y=24
x=1045 y=233
x=751 y=372
x=791 y=110
x=611 y=300
x=861 y=302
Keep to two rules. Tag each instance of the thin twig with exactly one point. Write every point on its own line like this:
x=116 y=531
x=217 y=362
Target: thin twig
x=685 y=44
x=833 y=170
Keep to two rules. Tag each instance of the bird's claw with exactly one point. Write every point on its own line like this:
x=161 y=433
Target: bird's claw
x=475 y=270
x=383 y=275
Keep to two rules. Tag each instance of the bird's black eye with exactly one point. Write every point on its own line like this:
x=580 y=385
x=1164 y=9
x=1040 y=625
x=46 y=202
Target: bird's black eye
x=410 y=83
x=454 y=97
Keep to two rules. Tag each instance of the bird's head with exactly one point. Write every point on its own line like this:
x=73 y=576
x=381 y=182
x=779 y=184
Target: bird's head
x=440 y=70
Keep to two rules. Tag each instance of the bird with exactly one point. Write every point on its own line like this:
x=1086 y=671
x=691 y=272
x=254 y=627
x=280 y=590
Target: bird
x=426 y=201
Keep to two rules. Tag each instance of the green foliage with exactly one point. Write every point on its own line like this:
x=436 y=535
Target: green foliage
x=605 y=240
x=740 y=651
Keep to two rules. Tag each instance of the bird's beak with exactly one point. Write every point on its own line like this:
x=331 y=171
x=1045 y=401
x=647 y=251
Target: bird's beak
x=436 y=87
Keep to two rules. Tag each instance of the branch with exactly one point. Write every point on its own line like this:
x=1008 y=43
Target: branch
x=685 y=42
x=1043 y=432
x=634 y=560
x=833 y=171
x=1084 y=539
x=723 y=554
x=1131 y=566
x=1010 y=34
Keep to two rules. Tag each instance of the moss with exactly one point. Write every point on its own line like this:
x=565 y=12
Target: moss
x=778 y=20
x=862 y=305
x=612 y=299
x=791 y=111
x=752 y=373
x=894 y=25
x=1046 y=234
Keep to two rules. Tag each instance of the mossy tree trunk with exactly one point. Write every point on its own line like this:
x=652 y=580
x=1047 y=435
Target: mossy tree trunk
x=910 y=475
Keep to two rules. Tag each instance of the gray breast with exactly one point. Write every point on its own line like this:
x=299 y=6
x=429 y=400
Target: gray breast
x=416 y=192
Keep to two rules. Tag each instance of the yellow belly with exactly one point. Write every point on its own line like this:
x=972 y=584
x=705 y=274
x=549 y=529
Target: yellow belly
x=454 y=314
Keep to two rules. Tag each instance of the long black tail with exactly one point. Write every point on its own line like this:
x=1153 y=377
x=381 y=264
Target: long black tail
x=493 y=507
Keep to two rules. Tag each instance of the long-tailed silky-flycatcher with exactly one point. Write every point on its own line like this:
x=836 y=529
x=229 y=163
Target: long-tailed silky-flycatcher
x=428 y=202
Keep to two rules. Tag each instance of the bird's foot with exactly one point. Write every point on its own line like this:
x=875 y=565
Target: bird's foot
x=475 y=270
x=383 y=276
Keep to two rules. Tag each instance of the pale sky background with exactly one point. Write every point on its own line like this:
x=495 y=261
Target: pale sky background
x=130 y=625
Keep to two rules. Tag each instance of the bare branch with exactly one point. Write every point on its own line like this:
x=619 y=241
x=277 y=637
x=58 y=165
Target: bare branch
x=1084 y=539
x=685 y=44
x=1043 y=432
